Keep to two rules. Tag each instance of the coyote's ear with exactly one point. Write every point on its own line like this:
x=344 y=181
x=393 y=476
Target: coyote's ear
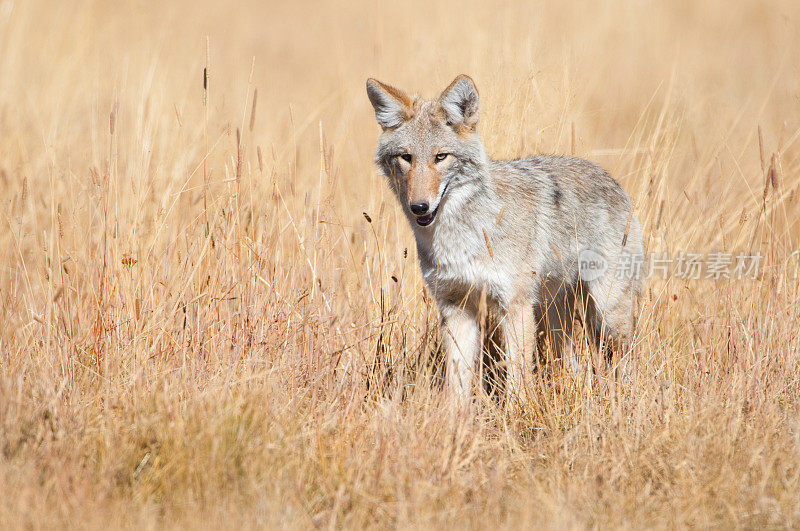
x=459 y=102
x=392 y=106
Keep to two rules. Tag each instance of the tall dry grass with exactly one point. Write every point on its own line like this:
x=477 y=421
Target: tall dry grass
x=201 y=327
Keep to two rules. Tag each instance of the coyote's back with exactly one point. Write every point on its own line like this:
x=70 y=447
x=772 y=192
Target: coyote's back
x=539 y=241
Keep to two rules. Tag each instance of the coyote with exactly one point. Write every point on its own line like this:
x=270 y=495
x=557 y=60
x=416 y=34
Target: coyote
x=507 y=238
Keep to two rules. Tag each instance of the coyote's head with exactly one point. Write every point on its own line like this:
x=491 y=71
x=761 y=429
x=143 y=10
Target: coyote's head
x=429 y=148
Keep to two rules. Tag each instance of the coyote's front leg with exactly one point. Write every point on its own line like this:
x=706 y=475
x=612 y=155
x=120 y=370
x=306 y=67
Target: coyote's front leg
x=519 y=332
x=461 y=341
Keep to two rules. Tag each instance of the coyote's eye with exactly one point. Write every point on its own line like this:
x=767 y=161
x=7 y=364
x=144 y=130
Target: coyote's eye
x=406 y=157
x=441 y=156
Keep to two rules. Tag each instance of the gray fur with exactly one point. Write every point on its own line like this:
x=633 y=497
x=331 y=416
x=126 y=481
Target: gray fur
x=537 y=213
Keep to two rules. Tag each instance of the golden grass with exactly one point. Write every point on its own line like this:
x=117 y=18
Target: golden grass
x=200 y=327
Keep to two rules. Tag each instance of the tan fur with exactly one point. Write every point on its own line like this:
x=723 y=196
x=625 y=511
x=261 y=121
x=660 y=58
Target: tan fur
x=423 y=182
x=506 y=236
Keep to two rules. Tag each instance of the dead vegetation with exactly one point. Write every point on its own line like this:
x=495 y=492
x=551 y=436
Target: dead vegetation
x=212 y=312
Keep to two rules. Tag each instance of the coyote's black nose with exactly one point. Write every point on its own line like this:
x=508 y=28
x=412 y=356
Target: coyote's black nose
x=419 y=208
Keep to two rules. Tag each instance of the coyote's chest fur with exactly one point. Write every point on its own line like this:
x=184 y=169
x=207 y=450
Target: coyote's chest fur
x=457 y=263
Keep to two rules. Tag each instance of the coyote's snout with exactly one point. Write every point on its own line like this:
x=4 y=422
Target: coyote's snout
x=512 y=233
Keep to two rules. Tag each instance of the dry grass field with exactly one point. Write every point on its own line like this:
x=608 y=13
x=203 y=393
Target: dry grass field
x=201 y=327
